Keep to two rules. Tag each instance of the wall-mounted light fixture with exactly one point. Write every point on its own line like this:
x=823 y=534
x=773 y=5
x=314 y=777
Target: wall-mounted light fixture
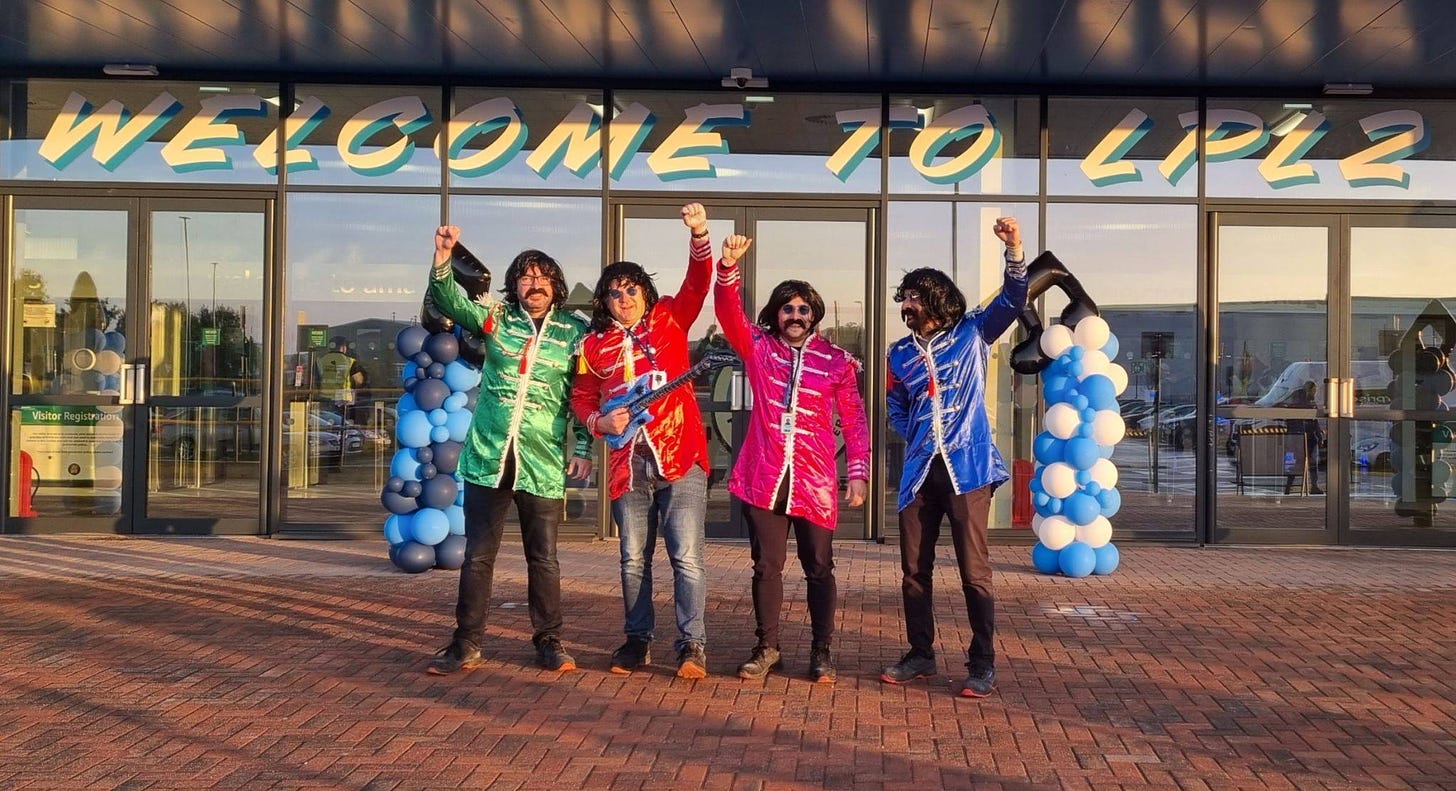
x=129 y=70
x=1348 y=89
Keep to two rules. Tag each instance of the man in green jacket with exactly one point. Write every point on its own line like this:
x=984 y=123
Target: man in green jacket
x=516 y=448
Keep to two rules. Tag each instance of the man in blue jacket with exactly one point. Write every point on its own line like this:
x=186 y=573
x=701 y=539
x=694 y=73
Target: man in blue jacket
x=937 y=401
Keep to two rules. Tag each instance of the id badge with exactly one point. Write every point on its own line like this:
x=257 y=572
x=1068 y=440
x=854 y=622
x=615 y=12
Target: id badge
x=786 y=422
x=658 y=379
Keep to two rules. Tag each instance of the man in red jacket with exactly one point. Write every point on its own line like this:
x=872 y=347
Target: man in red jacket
x=659 y=481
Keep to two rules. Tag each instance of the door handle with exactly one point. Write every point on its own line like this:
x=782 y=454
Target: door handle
x=1333 y=393
x=143 y=382
x=1348 y=397
x=127 y=385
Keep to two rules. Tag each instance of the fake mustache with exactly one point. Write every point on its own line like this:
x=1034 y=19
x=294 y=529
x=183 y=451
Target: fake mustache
x=800 y=323
x=533 y=292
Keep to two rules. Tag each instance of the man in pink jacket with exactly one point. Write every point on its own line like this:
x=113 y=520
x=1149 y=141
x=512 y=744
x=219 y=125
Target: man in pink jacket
x=786 y=473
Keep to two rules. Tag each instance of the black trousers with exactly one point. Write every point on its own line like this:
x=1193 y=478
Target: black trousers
x=919 y=531
x=485 y=519
x=768 y=536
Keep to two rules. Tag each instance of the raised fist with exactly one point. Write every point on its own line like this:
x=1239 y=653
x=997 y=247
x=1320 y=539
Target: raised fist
x=734 y=247
x=1008 y=231
x=445 y=238
x=695 y=217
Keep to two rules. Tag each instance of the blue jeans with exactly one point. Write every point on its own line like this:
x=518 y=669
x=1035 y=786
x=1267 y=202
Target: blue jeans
x=679 y=510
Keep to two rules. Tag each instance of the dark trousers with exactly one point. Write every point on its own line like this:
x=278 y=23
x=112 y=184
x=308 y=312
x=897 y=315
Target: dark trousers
x=768 y=537
x=485 y=520
x=919 y=530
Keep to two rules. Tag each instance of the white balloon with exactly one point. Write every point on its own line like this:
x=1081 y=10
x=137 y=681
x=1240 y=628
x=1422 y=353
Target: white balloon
x=108 y=362
x=1118 y=375
x=1057 y=532
x=1094 y=362
x=1059 y=479
x=1056 y=340
x=1092 y=332
x=1063 y=420
x=107 y=477
x=1104 y=473
x=1036 y=521
x=1108 y=427
x=1096 y=534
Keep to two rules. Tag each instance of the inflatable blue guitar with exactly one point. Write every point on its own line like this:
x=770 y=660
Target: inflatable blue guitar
x=642 y=394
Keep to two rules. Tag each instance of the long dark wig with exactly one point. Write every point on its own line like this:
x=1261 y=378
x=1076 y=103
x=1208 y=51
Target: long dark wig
x=621 y=270
x=543 y=263
x=944 y=303
x=783 y=294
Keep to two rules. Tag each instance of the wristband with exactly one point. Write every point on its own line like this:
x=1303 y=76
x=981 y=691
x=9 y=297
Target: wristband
x=702 y=235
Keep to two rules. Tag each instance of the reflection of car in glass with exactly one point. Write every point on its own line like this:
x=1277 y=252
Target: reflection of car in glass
x=325 y=436
x=213 y=432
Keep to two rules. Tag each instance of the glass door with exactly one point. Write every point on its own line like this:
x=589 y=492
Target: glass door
x=830 y=247
x=1276 y=278
x=134 y=400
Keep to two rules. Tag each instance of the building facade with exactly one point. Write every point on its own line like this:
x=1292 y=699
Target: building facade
x=181 y=256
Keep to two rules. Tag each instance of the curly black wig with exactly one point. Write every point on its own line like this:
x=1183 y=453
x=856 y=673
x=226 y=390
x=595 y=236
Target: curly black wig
x=783 y=294
x=621 y=270
x=544 y=264
x=943 y=302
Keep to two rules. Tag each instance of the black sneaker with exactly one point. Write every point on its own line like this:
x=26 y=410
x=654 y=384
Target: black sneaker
x=551 y=655
x=910 y=667
x=633 y=654
x=764 y=659
x=821 y=671
x=979 y=682
x=456 y=656
x=692 y=661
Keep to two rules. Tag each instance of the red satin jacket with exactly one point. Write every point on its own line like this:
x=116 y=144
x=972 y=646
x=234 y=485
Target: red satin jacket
x=676 y=435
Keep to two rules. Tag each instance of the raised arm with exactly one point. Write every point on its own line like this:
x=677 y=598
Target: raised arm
x=447 y=297
x=688 y=302
x=728 y=297
x=1003 y=310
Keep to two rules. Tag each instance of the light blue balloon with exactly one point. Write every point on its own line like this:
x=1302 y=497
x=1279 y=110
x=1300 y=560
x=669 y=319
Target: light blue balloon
x=460 y=498
x=409 y=371
x=456 y=402
x=456 y=515
x=438 y=418
x=439 y=434
x=1054 y=505
x=458 y=426
x=1040 y=499
x=1087 y=414
x=461 y=377
x=397 y=529
x=1077 y=559
x=407 y=403
x=1085 y=430
x=1081 y=402
x=413 y=429
x=405 y=464
x=1111 y=500
x=1107 y=559
x=1081 y=453
x=430 y=526
x=1075 y=367
x=1081 y=508
x=1084 y=477
x=1105 y=451
x=1112 y=347
x=1100 y=392
x=1035 y=484
x=1093 y=488
x=1044 y=559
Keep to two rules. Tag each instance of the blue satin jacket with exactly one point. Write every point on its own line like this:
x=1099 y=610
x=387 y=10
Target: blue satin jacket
x=953 y=422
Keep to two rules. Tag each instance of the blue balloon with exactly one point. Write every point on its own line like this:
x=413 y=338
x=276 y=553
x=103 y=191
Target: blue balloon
x=450 y=553
x=458 y=425
x=1080 y=402
x=1035 y=484
x=422 y=359
x=1107 y=559
x=414 y=557
x=409 y=385
x=447 y=456
x=1112 y=347
x=1045 y=558
x=439 y=492
x=398 y=502
x=1081 y=453
x=396 y=529
x=438 y=416
x=411 y=340
x=427 y=471
x=95 y=339
x=1100 y=392
x=440 y=434
x=460 y=499
x=456 y=401
x=1084 y=477
x=1040 y=499
x=413 y=429
x=461 y=377
x=436 y=370
x=111 y=383
x=471 y=396
x=430 y=526
x=408 y=374
x=115 y=342
x=412 y=489
x=394 y=484
x=405 y=465
x=425 y=455
x=422 y=372
x=1076 y=559
x=456 y=515
x=1085 y=430
x=1105 y=451
x=1081 y=508
x=1094 y=488
x=431 y=394
x=1075 y=367
x=443 y=347
x=1087 y=414
x=1054 y=387
x=1051 y=507
x=1047 y=449
x=406 y=404
x=1076 y=352
x=1111 y=500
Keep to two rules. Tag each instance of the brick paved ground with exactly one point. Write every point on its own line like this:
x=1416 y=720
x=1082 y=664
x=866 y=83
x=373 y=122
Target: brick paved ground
x=246 y=663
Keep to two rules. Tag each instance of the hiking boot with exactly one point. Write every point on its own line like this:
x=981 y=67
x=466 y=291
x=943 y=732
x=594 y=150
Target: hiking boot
x=456 y=656
x=692 y=661
x=979 y=682
x=551 y=655
x=821 y=671
x=764 y=659
x=633 y=654
x=910 y=667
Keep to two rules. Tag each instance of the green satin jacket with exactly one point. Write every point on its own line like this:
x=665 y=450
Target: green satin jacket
x=525 y=391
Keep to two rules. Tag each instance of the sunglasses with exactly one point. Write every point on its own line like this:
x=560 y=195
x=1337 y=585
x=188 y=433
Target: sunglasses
x=534 y=280
x=618 y=293
x=802 y=310
x=908 y=296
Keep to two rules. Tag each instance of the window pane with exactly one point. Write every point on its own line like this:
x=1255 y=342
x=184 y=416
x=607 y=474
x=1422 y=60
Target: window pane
x=962 y=145
x=1121 y=147
x=364 y=135
x=526 y=139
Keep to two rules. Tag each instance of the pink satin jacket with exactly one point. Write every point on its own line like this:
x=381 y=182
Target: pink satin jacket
x=791 y=427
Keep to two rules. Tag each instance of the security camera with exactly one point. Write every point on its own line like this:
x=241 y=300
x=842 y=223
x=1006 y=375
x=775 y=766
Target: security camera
x=742 y=77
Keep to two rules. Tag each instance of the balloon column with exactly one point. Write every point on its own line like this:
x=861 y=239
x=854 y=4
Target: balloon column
x=425 y=495
x=1422 y=380
x=1074 y=489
